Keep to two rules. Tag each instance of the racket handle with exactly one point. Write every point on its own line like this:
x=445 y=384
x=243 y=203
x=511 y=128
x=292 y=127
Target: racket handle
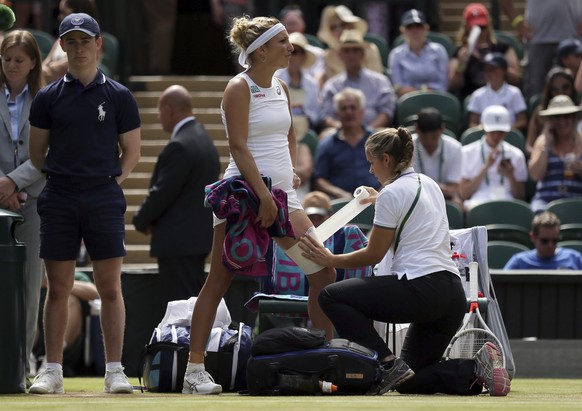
x=473 y=280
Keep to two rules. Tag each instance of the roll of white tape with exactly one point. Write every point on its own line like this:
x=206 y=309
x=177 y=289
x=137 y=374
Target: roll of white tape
x=343 y=216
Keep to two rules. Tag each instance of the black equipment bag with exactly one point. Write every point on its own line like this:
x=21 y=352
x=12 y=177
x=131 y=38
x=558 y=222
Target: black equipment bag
x=351 y=368
x=165 y=358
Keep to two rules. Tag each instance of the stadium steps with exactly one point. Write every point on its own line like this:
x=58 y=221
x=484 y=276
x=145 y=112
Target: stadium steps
x=206 y=94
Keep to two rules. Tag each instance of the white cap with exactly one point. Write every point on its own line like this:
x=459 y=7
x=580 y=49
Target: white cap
x=495 y=118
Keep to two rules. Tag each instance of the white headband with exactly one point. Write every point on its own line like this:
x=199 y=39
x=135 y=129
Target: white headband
x=259 y=41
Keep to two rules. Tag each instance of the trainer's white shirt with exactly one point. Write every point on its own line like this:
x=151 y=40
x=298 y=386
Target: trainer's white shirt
x=494 y=187
x=424 y=246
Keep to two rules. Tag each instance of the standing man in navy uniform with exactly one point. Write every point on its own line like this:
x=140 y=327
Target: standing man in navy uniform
x=85 y=136
x=173 y=212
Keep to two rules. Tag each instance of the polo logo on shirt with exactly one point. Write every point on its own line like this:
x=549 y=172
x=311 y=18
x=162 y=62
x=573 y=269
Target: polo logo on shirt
x=278 y=89
x=101 y=116
x=255 y=89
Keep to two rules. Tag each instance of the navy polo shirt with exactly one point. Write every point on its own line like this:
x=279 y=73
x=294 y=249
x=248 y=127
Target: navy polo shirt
x=342 y=165
x=84 y=124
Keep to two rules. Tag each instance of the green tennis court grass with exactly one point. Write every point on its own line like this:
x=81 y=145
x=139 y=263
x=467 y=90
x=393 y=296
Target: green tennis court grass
x=86 y=394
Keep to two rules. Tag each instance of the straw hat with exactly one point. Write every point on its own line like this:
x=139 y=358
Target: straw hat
x=352 y=38
x=299 y=40
x=317 y=202
x=560 y=105
x=345 y=15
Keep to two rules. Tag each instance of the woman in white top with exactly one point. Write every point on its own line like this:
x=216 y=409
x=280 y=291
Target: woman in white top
x=257 y=116
x=417 y=281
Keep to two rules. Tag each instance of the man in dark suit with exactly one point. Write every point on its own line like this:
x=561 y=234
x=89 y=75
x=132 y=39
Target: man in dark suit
x=173 y=212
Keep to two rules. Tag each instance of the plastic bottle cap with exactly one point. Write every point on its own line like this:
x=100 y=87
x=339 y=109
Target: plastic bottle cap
x=327 y=387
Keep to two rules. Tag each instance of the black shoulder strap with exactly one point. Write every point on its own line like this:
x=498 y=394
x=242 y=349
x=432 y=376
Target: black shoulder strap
x=405 y=219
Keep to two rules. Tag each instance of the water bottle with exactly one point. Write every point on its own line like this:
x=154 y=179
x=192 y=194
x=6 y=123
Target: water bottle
x=460 y=261
x=297 y=384
x=327 y=387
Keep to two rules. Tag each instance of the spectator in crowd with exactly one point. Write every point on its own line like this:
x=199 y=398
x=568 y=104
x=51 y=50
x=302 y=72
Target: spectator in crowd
x=556 y=160
x=20 y=182
x=543 y=26
x=334 y=21
x=558 y=81
x=82 y=199
x=492 y=168
x=418 y=63
x=303 y=88
x=380 y=97
x=55 y=64
x=497 y=92
x=292 y=18
x=340 y=160
x=153 y=25
x=173 y=212
x=545 y=234
x=437 y=155
x=466 y=68
x=317 y=206
x=569 y=54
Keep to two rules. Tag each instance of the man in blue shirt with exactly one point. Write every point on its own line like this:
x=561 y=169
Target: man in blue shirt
x=340 y=160
x=546 y=255
x=78 y=126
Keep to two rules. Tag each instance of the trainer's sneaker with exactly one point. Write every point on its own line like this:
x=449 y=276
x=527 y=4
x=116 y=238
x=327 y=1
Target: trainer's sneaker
x=116 y=382
x=200 y=382
x=490 y=372
x=392 y=377
x=49 y=381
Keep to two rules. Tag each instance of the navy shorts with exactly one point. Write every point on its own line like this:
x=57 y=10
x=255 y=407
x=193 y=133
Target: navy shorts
x=72 y=209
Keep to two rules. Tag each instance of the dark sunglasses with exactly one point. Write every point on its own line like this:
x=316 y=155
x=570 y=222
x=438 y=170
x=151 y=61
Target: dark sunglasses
x=549 y=240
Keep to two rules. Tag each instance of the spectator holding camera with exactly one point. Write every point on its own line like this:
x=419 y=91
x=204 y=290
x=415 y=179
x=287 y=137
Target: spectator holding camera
x=492 y=168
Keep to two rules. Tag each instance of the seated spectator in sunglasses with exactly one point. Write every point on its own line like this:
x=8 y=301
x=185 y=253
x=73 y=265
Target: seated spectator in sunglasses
x=545 y=235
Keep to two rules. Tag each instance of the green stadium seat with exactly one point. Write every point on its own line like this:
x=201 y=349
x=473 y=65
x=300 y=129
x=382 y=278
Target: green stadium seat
x=408 y=105
x=499 y=252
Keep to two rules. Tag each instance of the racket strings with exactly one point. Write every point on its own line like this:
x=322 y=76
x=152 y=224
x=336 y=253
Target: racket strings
x=469 y=342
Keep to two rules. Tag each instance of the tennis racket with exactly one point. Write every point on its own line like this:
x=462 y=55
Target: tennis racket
x=474 y=332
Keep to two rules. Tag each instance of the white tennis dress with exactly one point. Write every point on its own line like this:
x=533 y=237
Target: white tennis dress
x=269 y=122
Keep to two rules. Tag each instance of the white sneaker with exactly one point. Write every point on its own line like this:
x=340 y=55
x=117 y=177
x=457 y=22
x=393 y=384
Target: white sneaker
x=200 y=382
x=49 y=381
x=116 y=382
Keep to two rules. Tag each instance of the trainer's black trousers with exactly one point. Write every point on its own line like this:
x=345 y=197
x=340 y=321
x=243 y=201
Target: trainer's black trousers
x=434 y=305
